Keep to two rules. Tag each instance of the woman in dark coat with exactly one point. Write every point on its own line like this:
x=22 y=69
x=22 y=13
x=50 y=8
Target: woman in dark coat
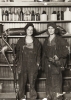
x=28 y=54
x=55 y=50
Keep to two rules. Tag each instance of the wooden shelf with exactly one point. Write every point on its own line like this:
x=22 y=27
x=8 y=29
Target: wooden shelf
x=5 y=65
x=63 y=78
x=20 y=36
x=8 y=52
x=2 y=64
x=34 y=4
x=38 y=36
x=12 y=79
x=48 y=21
x=6 y=79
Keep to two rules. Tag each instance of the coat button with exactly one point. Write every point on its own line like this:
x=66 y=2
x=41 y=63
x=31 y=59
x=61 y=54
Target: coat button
x=49 y=66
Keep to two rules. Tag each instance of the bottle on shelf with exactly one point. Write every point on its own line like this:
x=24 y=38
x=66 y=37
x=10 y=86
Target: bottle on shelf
x=43 y=16
x=18 y=13
x=3 y=15
x=37 y=16
x=32 y=16
x=10 y=15
x=27 y=16
x=53 y=16
x=16 y=16
x=21 y=15
x=13 y=16
x=6 y=15
x=62 y=15
x=0 y=14
x=67 y=14
x=58 y=15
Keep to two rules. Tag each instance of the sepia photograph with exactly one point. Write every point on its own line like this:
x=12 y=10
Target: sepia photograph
x=35 y=49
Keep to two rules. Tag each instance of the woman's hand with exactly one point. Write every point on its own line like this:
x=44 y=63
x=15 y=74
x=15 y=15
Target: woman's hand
x=51 y=59
x=38 y=66
x=4 y=49
x=55 y=57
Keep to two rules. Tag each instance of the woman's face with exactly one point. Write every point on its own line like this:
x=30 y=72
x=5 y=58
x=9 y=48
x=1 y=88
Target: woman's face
x=51 y=30
x=29 y=30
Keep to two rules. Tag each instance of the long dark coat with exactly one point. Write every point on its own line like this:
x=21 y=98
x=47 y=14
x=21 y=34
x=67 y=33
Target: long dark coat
x=27 y=60
x=59 y=47
x=21 y=56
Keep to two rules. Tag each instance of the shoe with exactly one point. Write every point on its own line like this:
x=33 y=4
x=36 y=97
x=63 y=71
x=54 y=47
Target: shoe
x=23 y=98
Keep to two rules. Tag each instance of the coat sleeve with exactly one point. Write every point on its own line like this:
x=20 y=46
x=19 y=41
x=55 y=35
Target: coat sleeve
x=17 y=50
x=64 y=48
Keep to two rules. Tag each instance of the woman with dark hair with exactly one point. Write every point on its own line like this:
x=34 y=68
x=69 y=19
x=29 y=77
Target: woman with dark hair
x=28 y=54
x=55 y=50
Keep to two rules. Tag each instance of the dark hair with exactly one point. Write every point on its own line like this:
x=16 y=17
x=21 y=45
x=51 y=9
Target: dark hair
x=34 y=30
x=58 y=30
x=28 y=24
x=52 y=24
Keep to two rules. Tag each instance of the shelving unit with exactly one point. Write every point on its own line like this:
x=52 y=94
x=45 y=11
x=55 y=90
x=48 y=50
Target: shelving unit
x=32 y=5
x=36 y=4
